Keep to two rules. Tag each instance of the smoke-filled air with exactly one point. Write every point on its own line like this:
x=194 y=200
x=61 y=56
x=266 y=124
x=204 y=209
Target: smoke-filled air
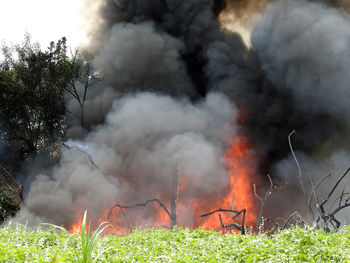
x=208 y=90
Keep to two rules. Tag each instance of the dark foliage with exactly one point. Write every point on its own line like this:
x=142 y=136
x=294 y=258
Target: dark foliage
x=32 y=106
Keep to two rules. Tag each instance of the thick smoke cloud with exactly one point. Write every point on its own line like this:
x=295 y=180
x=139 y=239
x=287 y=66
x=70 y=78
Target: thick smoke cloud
x=175 y=83
x=136 y=150
x=142 y=59
x=304 y=47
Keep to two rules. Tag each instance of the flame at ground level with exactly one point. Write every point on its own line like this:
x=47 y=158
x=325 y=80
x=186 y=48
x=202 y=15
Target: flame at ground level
x=238 y=195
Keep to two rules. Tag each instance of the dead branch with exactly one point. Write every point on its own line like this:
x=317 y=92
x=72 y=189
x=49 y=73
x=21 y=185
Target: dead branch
x=232 y=202
x=263 y=200
x=140 y=205
x=236 y=213
x=314 y=188
x=16 y=188
x=84 y=152
x=335 y=186
x=296 y=215
x=329 y=218
x=340 y=198
x=173 y=200
x=126 y=220
x=274 y=222
x=239 y=227
x=297 y=163
x=276 y=225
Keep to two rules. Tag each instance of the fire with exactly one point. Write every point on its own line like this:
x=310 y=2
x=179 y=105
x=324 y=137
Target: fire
x=239 y=159
x=240 y=195
x=76 y=227
x=242 y=174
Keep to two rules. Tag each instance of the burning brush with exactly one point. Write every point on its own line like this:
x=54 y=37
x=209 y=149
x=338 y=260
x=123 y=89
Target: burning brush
x=220 y=85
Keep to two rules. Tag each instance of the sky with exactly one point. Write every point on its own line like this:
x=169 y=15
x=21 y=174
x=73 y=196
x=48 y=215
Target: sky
x=44 y=20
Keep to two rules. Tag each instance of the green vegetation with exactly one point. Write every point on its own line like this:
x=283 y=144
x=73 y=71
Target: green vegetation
x=88 y=240
x=35 y=87
x=20 y=244
x=32 y=84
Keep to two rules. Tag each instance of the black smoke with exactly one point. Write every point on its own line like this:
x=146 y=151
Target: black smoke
x=173 y=81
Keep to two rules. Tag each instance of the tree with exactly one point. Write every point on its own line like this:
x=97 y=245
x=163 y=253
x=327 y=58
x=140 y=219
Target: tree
x=81 y=78
x=10 y=194
x=32 y=84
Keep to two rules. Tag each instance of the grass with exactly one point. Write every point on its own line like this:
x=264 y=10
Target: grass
x=88 y=240
x=21 y=244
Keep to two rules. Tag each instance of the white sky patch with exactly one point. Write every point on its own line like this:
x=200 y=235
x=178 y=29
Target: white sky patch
x=44 y=20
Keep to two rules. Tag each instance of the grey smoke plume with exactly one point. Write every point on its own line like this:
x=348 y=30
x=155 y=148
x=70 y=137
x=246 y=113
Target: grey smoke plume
x=140 y=58
x=135 y=150
x=174 y=80
x=304 y=47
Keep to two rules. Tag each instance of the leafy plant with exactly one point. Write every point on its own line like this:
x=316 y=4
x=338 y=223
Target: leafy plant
x=19 y=243
x=88 y=240
x=32 y=105
x=8 y=205
x=10 y=194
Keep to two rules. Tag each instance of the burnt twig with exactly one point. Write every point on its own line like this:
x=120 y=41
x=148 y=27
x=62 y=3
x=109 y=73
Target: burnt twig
x=264 y=199
x=335 y=186
x=84 y=152
x=329 y=218
x=294 y=215
x=4 y=180
x=140 y=205
x=239 y=227
x=173 y=200
x=126 y=220
x=314 y=188
x=297 y=163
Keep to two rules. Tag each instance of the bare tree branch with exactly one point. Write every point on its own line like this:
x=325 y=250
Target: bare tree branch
x=126 y=220
x=84 y=152
x=140 y=205
x=173 y=200
x=314 y=188
x=239 y=227
x=329 y=218
x=237 y=213
x=19 y=191
x=335 y=186
x=297 y=163
x=294 y=215
x=264 y=199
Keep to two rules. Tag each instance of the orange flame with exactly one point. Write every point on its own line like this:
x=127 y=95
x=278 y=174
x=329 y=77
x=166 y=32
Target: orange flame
x=239 y=194
x=76 y=227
